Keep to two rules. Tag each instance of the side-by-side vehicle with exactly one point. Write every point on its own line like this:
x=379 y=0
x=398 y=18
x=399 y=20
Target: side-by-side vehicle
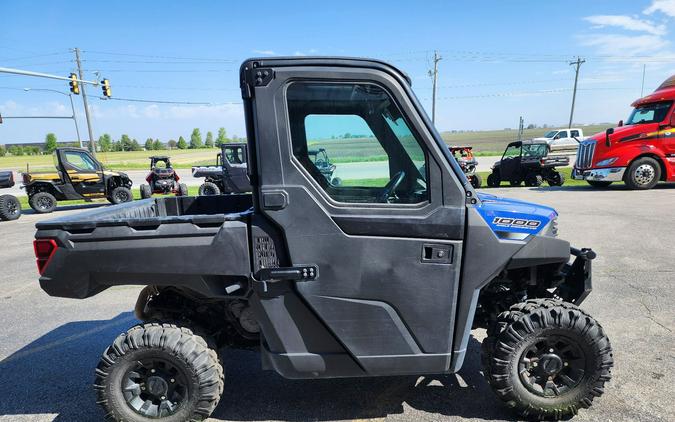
x=78 y=175
x=379 y=276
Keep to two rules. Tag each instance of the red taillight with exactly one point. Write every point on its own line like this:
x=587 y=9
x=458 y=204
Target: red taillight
x=149 y=178
x=176 y=176
x=44 y=250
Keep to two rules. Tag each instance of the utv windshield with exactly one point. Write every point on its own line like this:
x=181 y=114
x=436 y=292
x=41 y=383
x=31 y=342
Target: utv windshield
x=649 y=113
x=535 y=150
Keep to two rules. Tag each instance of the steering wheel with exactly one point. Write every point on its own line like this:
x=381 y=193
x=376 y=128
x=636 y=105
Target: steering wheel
x=391 y=186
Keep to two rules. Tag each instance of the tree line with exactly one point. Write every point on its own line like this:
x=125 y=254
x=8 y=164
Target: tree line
x=107 y=144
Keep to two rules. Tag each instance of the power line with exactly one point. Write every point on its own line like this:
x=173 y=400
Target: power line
x=160 y=57
x=140 y=100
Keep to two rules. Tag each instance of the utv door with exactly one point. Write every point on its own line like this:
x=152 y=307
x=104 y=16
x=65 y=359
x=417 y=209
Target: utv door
x=387 y=241
x=83 y=172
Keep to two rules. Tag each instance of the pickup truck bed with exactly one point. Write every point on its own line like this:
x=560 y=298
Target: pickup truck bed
x=144 y=242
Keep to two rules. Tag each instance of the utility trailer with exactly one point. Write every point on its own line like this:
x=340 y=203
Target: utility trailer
x=369 y=278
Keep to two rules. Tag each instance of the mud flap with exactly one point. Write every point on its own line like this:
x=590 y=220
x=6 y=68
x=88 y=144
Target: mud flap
x=577 y=283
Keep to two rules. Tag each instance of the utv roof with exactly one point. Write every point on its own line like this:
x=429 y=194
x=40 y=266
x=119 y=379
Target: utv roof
x=159 y=157
x=527 y=142
x=322 y=61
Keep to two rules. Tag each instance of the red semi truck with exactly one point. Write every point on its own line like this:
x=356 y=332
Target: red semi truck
x=640 y=152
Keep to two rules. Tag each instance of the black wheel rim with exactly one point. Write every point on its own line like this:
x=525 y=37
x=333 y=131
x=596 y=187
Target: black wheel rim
x=155 y=388
x=13 y=207
x=122 y=196
x=552 y=366
x=44 y=203
x=209 y=191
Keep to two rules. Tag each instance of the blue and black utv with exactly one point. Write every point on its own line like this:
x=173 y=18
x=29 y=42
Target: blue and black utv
x=385 y=273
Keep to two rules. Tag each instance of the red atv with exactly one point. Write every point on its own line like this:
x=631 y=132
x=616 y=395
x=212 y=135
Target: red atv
x=468 y=163
x=162 y=179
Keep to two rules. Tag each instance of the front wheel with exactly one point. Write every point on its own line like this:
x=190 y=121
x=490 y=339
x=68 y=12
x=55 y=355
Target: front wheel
x=493 y=180
x=182 y=189
x=161 y=372
x=476 y=181
x=643 y=173
x=548 y=359
x=146 y=192
x=120 y=195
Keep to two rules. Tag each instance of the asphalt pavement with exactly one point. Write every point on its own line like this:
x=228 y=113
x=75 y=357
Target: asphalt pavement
x=49 y=347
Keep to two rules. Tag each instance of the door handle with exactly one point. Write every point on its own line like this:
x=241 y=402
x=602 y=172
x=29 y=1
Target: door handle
x=437 y=254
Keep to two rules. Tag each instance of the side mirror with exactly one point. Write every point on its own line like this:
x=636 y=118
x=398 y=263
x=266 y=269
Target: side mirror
x=620 y=123
x=608 y=132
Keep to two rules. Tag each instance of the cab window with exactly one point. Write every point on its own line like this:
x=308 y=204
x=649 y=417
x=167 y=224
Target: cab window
x=354 y=142
x=512 y=151
x=80 y=160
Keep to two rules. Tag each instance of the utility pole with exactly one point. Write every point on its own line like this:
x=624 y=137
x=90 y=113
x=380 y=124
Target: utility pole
x=72 y=106
x=578 y=64
x=642 y=90
x=92 y=144
x=434 y=76
x=521 y=128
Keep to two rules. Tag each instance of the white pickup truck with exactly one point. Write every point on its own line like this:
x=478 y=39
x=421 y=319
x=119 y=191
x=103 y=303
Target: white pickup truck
x=563 y=139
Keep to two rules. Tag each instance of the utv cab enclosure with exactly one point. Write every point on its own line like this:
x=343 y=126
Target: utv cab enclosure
x=229 y=175
x=529 y=162
x=384 y=274
x=162 y=179
x=78 y=175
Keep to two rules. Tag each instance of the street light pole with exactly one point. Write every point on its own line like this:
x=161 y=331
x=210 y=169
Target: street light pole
x=72 y=107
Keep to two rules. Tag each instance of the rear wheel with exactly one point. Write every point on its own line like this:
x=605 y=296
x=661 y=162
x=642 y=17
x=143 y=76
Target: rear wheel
x=182 y=189
x=556 y=179
x=10 y=208
x=598 y=183
x=493 y=180
x=159 y=371
x=42 y=202
x=120 y=195
x=548 y=359
x=208 y=188
x=533 y=180
x=146 y=192
x=643 y=173
x=476 y=181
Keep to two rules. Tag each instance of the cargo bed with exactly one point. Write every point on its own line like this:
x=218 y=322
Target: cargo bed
x=144 y=243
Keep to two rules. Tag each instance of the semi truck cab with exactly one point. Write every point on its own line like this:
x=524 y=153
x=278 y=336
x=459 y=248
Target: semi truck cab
x=639 y=152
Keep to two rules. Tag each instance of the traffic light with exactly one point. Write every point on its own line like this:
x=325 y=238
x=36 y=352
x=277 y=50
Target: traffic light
x=105 y=85
x=74 y=85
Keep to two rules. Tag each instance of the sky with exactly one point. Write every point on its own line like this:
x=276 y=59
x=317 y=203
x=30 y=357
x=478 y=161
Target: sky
x=500 y=60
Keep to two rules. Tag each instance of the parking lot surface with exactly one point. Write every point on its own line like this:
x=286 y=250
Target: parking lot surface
x=49 y=347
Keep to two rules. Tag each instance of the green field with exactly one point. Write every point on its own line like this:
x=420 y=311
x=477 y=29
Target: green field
x=121 y=160
x=350 y=150
x=493 y=142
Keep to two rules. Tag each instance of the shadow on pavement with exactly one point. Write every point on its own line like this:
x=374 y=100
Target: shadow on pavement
x=54 y=374
x=70 y=207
